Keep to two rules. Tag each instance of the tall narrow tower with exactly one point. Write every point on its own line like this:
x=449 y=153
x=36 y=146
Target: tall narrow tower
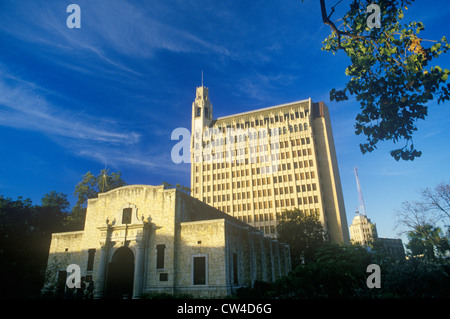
x=361 y=207
x=201 y=109
x=201 y=119
x=362 y=230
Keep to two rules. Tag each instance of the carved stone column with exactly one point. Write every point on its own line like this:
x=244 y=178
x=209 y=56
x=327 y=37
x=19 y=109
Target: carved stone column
x=99 y=285
x=138 y=270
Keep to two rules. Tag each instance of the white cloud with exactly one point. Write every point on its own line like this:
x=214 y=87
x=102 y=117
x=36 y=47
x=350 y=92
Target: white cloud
x=23 y=108
x=26 y=106
x=108 y=29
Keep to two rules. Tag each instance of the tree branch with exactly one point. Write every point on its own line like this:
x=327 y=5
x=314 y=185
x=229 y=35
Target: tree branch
x=332 y=9
x=326 y=20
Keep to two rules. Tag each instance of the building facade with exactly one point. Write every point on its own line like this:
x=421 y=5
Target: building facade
x=362 y=230
x=256 y=164
x=142 y=239
x=390 y=247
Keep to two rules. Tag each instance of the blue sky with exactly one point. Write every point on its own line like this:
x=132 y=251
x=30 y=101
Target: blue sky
x=111 y=92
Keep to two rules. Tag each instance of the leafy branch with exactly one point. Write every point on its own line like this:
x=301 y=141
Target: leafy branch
x=390 y=72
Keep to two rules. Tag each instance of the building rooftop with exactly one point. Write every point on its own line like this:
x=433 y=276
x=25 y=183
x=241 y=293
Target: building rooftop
x=263 y=109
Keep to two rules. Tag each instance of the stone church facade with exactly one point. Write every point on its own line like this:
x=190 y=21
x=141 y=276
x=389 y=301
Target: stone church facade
x=142 y=239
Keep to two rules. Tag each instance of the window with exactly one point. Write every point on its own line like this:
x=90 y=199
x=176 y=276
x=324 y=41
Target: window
x=126 y=216
x=235 y=269
x=163 y=277
x=199 y=270
x=90 y=263
x=160 y=256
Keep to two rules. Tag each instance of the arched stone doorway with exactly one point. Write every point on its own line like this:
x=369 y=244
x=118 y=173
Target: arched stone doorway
x=119 y=283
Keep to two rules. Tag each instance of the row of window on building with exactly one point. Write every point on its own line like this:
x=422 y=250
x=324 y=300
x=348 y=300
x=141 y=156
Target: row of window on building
x=261 y=193
x=266 y=120
x=215 y=137
x=261 y=205
x=257 y=152
x=269 y=218
x=303 y=176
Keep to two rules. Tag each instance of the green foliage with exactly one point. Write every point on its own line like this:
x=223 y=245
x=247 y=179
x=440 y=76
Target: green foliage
x=428 y=241
x=90 y=186
x=25 y=234
x=415 y=278
x=334 y=272
x=338 y=272
x=302 y=232
x=178 y=186
x=52 y=213
x=26 y=229
x=391 y=73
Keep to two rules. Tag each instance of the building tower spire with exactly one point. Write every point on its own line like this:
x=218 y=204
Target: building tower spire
x=362 y=206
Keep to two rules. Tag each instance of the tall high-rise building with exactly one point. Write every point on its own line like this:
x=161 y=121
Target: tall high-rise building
x=256 y=164
x=362 y=230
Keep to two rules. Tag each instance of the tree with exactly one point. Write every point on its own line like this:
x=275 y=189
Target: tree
x=415 y=278
x=338 y=271
x=433 y=207
x=427 y=241
x=437 y=200
x=178 y=186
x=53 y=211
x=302 y=232
x=391 y=70
x=25 y=234
x=421 y=217
x=334 y=271
x=89 y=187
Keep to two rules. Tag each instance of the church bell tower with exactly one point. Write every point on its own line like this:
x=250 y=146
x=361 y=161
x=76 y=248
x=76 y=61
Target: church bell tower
x=201 y=109
x=201 y=120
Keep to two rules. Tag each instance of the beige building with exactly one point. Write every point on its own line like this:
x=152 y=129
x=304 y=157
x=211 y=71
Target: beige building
x=256 y=164
x=362 y=230
x=141 y=239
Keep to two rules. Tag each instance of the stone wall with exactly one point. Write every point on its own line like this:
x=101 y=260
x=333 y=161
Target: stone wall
x=202 y=238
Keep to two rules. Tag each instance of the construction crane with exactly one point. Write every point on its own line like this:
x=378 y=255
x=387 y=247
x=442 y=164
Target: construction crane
x=362 y=207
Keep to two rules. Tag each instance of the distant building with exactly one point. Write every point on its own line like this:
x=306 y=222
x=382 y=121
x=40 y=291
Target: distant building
x=255 y=165
x=391 y=247
x=362 y=230
x=141 y=239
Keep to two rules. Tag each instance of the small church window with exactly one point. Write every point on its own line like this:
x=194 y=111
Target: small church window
x=198 y=112
x=126 y=216
x=199 y=270
x=160 y=256
x=90 y=263
x=163 y=277
x=206 y=112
